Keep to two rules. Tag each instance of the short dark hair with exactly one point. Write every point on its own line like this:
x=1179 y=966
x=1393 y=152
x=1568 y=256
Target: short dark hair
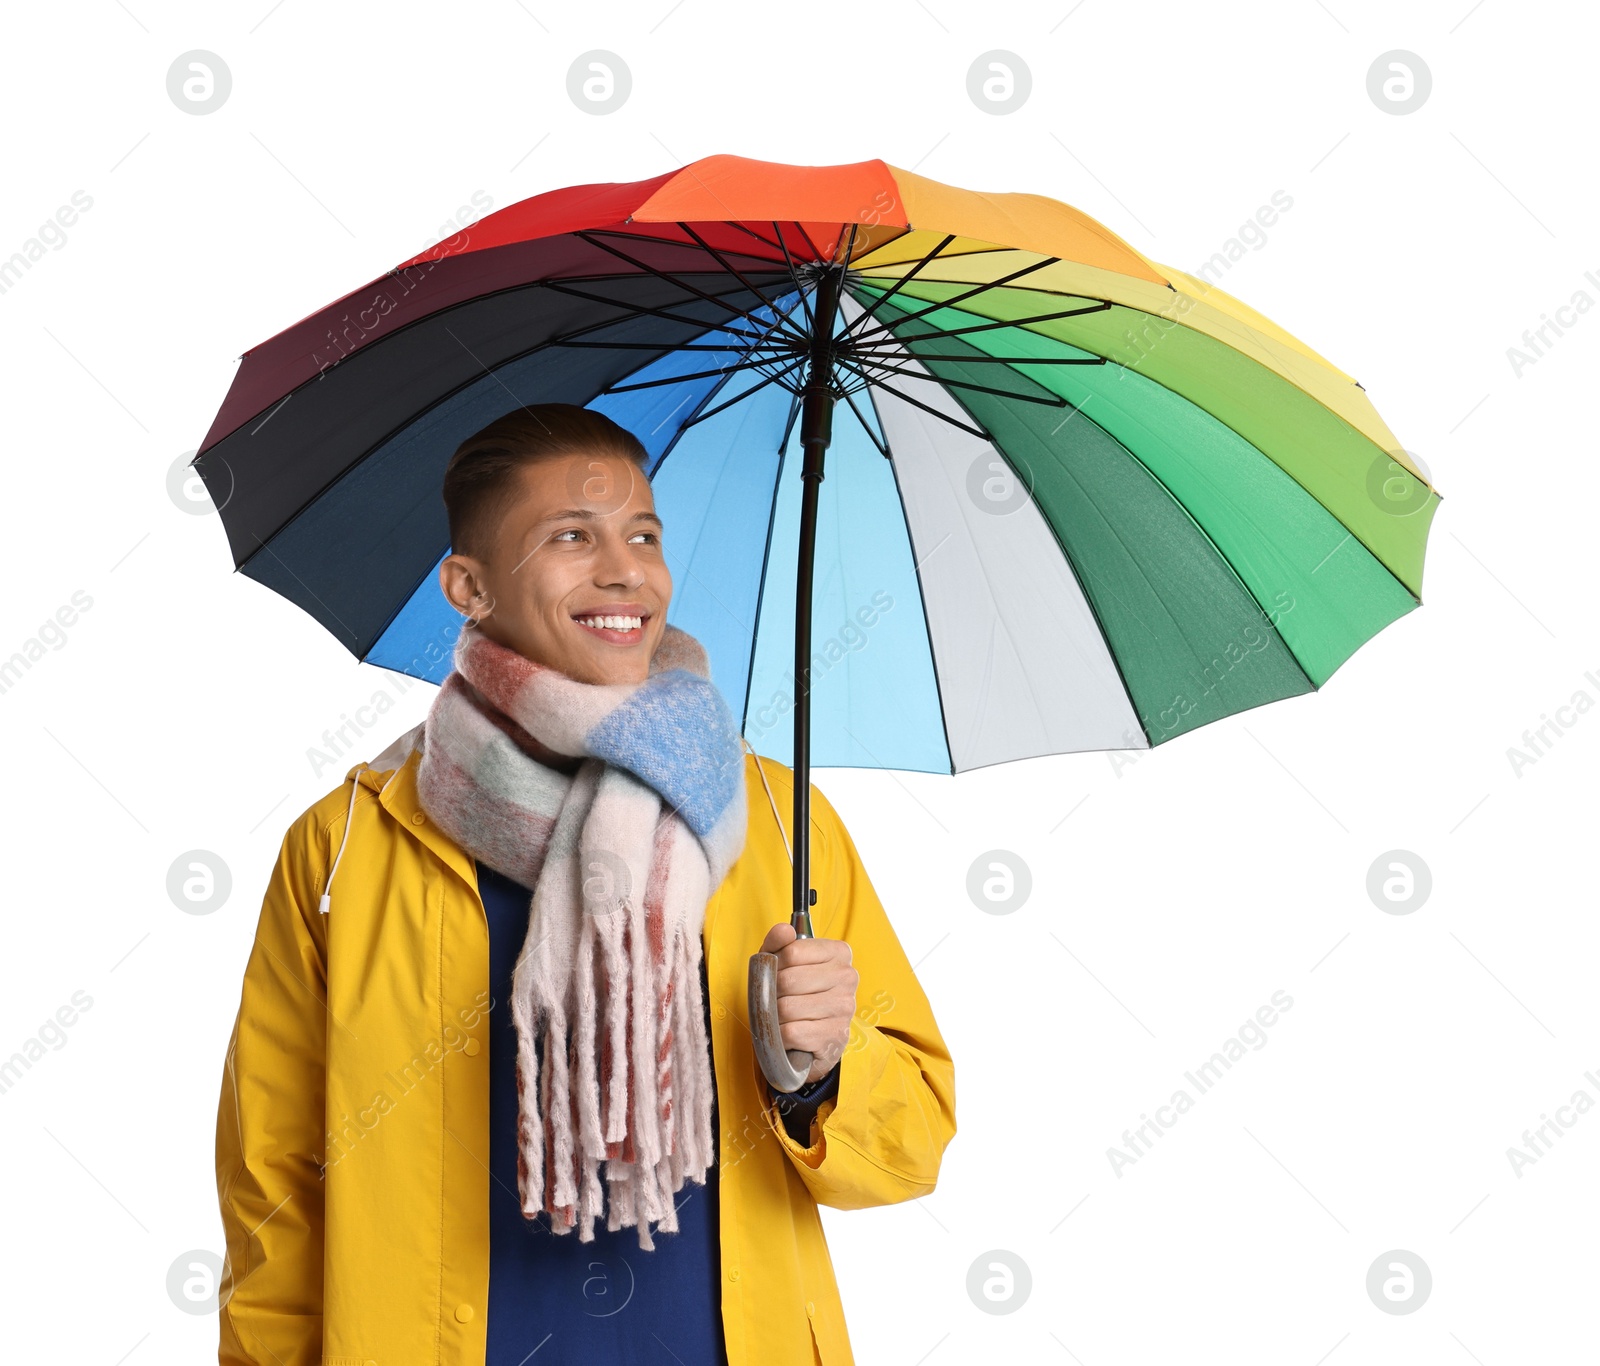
x=477 y=481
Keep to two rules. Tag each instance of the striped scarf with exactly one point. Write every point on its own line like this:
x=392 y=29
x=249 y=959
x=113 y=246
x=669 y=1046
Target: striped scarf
x=613 y=1062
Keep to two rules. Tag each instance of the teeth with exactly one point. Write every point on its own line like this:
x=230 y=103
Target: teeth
x=612 y=623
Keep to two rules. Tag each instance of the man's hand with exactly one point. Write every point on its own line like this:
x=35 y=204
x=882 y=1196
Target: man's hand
x=816 y=995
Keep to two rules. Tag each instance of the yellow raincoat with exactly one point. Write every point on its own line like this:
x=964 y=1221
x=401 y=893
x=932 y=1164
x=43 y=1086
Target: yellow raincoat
x=353 y=1125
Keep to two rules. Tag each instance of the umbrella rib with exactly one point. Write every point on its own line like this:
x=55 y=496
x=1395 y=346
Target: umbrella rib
x=849 y=397
x=761 y=585
x=1054 y=401
x=754 y=364
x=1099 y=307
x=672 y=444
x=660 y=346
x=906 y=261
x=758 y=340
x=805 y=299
x=698 y=374
x=739 y=275
x=746 y=394
x=745 y=227
x=642 y=310
x=895 y=288
x=492 y=372
x=800 y=227
x=943 y=417
x=737 y=398
x=922 y=594
x=849 y=247
x=662 y=275
x=611 y=275
x=955 y=299
x=869 y=357
x=660 y=241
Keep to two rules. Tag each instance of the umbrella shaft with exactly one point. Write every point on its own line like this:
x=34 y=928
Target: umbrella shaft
x=816 y=430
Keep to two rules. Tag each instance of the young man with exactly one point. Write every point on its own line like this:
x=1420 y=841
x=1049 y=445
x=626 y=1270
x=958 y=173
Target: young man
x=497 y=991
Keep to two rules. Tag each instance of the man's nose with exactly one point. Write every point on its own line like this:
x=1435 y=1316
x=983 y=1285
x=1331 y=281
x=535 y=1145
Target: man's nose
x=617 y=567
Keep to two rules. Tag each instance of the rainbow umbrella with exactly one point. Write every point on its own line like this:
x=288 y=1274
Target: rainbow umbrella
x=1074 y=499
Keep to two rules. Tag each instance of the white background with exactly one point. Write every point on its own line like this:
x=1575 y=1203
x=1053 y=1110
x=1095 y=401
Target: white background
x=1171 y=897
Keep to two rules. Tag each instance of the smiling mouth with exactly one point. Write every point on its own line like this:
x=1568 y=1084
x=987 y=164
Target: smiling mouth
x=619 y=628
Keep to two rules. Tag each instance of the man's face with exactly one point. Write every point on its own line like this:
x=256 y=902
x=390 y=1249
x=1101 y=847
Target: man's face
x=576 y=579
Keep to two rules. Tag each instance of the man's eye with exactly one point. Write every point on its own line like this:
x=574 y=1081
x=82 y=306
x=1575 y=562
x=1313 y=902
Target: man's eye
x=571 y=533
x=644 y=537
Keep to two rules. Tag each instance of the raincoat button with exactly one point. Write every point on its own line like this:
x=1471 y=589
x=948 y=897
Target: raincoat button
x=722 y=1012
x=472 y=1048
x=418 y=818
x=811 y=1309
x=734 y=1274
x=464 y=1313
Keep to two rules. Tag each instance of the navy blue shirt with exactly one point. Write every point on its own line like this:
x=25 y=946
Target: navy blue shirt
x=606 y=1302
x=603 y=1303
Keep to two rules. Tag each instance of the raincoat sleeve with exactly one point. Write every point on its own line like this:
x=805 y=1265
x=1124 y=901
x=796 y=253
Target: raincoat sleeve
x=880 y=1139
x=270 y=1130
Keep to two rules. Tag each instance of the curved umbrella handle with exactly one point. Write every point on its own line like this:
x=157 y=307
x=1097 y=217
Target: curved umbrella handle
x=784 y=1069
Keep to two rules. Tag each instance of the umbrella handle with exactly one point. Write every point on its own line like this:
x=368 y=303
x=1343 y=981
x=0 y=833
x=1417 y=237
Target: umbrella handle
x=784 y=1069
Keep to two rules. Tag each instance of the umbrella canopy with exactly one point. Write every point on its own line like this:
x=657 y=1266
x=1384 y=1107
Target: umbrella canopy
x=1074 y=499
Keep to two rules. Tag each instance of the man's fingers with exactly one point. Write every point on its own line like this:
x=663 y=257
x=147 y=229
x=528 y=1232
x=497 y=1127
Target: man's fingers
x=817 y=1037
x=802 y=951
x=793 y=951
x=810 y=978
x=820 y=1005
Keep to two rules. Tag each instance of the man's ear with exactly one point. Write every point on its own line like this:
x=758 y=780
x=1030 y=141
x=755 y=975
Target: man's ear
x=461 y=579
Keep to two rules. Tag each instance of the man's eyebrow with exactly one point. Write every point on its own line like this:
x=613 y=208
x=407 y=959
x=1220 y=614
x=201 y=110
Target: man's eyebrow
x=566 y=514
x=587 y=515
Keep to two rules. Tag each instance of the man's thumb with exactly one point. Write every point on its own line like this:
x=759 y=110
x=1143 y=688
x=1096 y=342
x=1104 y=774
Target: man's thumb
x=780 y=934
